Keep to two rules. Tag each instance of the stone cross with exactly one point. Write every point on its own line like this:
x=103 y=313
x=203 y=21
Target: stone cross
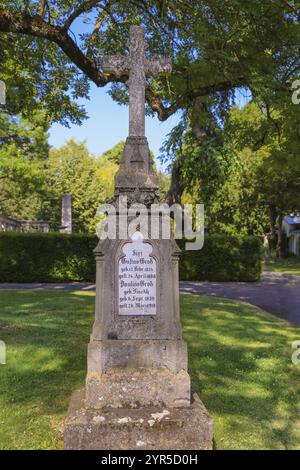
x=137 y=66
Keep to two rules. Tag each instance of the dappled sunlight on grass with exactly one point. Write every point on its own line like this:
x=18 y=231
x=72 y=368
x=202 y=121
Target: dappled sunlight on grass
x=240 y=363
x=286 y=266
x=46 y=339
x=239 y=356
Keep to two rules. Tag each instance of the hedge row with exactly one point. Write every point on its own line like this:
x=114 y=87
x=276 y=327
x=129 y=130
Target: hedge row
x=222 y=258
x=46 y=257
x=55 y=257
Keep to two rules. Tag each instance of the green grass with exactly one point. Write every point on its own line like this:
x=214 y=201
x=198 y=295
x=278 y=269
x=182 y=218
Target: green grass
x=285 y=266
x=240 y=364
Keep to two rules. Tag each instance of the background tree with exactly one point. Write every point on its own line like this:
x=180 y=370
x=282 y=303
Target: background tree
x=248 y=173
x=216 y=46
x=23 y=158
x=114 y=154
x=89 y=179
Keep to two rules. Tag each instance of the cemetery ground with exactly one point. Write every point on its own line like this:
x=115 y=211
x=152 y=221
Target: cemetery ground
x=239 y=361
x=284 y=266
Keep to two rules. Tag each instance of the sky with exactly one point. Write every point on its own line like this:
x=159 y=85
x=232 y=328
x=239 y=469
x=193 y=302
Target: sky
x=108 y=124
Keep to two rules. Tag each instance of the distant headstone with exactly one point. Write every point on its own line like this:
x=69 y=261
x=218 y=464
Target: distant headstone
x=66 y=214
x=138 y=391
x=2 y=94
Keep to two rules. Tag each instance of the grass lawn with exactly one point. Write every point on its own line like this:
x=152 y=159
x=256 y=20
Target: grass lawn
x=285 y=266
x=240 y=364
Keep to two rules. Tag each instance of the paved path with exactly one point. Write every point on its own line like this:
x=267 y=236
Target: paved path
x=276 y=293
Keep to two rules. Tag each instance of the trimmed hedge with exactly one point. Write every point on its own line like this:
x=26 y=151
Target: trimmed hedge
x=46 y=257
x=55 y=257
x=222 y=258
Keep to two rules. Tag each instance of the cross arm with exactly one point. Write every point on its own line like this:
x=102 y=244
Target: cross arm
x=157 y=65
x=115 y=64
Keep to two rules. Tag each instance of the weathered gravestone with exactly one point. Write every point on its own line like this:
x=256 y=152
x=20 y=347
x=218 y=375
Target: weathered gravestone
x=137 y=393
x=66 y=213
x=2 y=94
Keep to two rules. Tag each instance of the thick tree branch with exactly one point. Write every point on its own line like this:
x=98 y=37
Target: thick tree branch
x=165 y=112
x=36 y=26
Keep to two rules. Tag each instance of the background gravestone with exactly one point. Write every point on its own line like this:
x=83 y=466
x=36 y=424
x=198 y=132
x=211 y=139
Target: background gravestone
x=66 y=213
x=2 y=94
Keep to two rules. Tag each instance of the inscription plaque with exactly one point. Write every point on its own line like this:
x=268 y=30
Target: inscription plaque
x=137 y=278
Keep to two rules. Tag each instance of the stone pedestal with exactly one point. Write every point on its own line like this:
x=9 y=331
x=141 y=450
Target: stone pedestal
x=138 y=392
x=135 y=373
x=157 y=428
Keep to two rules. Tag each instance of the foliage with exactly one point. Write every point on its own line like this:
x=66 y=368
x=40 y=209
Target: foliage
x=114 y=154
x=222 y=258
x=267 y=184
x=50 y=51
x=48 y=61
x=239 y=364
x=90 y=181
x=36 y=257
x=23 y=158
x=247 y=171
x=33 y=179
x=46 y=335
x=59 y=257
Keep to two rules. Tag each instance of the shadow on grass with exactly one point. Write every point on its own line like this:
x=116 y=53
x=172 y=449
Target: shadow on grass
x=46 y=336
x=239 y=356
x=240 y=363
x=287 y=265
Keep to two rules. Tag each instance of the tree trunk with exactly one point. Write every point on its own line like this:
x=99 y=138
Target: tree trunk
x=174 y=194
x=273 y=232
x=279 y=248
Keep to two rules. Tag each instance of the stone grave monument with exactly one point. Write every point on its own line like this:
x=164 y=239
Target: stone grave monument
x=138 y=393
x=66 y=213
x=2 y=94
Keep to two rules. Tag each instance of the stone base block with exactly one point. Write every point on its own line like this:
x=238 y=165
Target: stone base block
x=136 y=429
x=132 y=388
x=108 y=354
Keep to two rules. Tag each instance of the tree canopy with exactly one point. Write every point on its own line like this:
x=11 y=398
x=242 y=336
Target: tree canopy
x=216 y=46
x=89 y=179
x=247 y=173
x=23 y=158
x=243 y=164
